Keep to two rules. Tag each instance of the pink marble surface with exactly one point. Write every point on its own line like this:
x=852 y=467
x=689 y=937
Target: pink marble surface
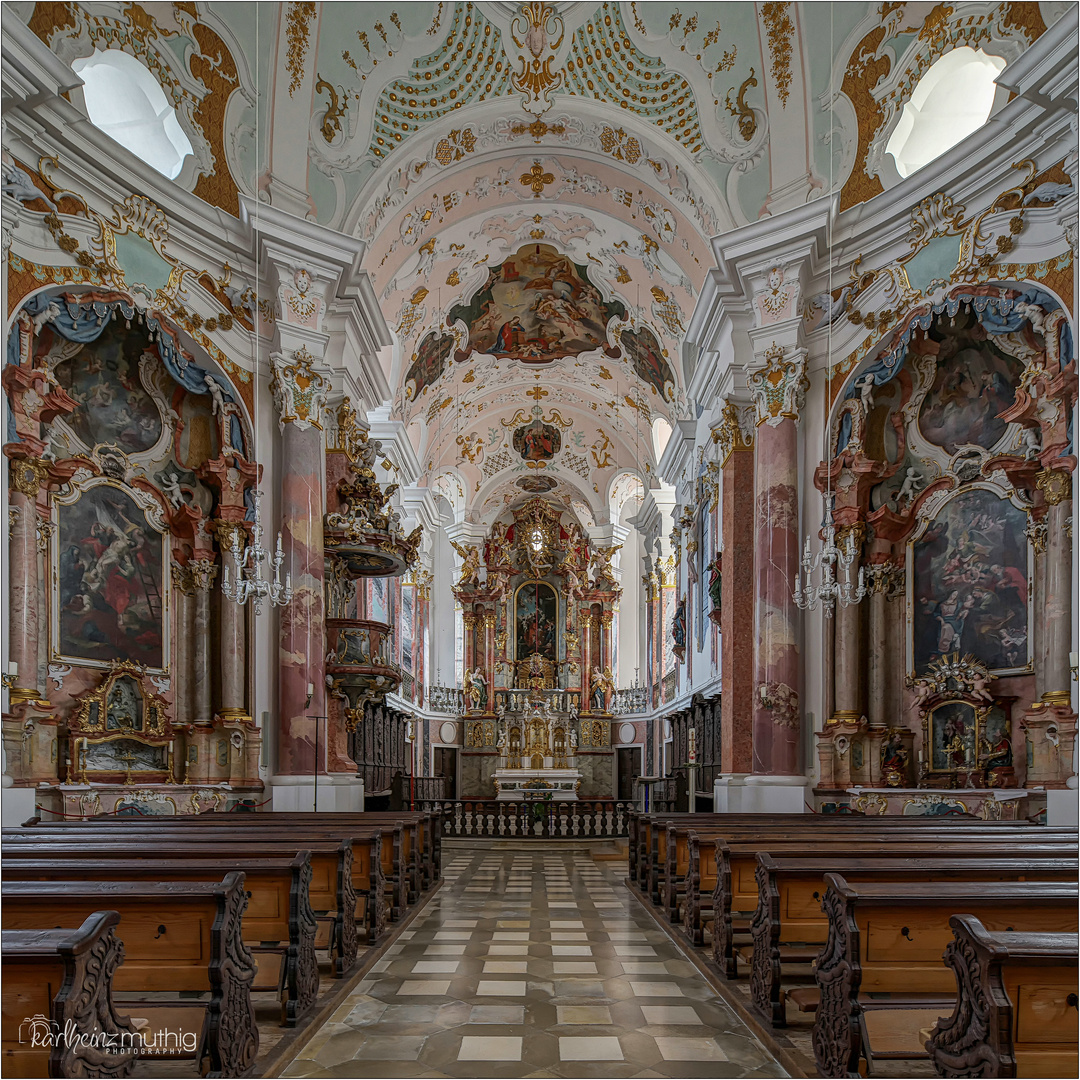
x=23 y=581
x=777 y=708
x=737 y=612
x=302 y=639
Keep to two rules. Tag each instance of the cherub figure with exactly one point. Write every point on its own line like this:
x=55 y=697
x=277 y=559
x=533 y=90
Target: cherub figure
x=216 y=393
x=170 y=484
x=866 y=392
x=601 y=563
x=911 y=486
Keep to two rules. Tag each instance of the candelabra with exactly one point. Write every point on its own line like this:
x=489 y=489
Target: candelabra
x=831 y=559
x=246 y=582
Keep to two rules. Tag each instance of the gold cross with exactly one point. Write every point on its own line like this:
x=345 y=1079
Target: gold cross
x=537 y=393
x=536 y=178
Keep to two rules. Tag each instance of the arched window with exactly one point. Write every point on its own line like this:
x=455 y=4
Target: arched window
x=125 y=101
x=951 y=100
x=661 y=432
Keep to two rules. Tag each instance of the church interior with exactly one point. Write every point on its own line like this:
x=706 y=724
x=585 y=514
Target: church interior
x=540 y=539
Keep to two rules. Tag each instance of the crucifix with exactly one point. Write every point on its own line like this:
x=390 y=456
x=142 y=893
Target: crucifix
x=129 y=759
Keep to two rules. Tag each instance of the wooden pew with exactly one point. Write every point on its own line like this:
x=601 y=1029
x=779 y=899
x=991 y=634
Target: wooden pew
x=886 y=939
x=332 y=888
x=1016 y=1004
x=693 y=869
x=329 y=886
x=61 y=981
x=735 y=895
x=278 y=910
x=678 y=865
x=377 y=860
x=178 y=937
x=789 y=902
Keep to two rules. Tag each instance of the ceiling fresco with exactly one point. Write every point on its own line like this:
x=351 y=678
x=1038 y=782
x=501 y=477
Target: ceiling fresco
x=536 y=306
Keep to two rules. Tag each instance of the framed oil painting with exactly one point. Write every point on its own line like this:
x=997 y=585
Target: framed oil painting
x=536 y=610
x=110 y=592
x=969 y=574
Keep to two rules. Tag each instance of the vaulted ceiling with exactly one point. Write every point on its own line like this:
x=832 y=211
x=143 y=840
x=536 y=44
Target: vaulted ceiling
x=537 y=184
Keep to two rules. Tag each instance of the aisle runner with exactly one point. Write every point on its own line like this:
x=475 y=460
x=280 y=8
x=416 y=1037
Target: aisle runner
x=533 y=965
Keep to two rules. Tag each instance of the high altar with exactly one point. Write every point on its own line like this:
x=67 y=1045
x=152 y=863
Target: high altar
x=538 y=658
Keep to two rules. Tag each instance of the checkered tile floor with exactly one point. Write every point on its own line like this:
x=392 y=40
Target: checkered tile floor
x=533 y=964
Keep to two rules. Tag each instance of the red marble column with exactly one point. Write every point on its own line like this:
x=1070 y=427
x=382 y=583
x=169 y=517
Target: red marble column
x=586 y=659
x=777 y=676
x=489 y=659
x=23 y=585
x=302 y=641
x=737 y=616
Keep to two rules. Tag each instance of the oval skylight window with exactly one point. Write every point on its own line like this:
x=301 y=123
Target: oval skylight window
x=125 y=101
x=951 y=100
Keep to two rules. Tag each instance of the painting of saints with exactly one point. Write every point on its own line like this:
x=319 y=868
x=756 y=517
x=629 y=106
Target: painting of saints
x=970 y=584
x=537 y=441
x=648 y=362
x=110 y=580
x=428 y=364
x=114 y=407
x=537 y=621
x=975 y=381
x=537 y=306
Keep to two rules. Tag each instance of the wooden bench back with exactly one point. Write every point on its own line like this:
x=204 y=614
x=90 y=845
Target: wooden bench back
x=64 y=976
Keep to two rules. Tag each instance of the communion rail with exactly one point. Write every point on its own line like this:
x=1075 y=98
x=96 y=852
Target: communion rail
x=540 y=819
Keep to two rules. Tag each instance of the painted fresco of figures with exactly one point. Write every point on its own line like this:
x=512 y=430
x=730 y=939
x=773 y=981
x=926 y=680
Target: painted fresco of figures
x=970 y=583
x=648 y=362
x=975 y=381
x=428 y=364
x=537 y=306
x=110 y=577
x=103 y=377
x=953 y=737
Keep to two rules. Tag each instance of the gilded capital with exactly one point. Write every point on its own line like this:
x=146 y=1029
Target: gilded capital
x=299 y=390
x=735 y=431
x=27 y=475
x=779 y=386
x=489 y=621
x=181 y=579
x=226 y=531
x=1055 y=484
x=203 y=572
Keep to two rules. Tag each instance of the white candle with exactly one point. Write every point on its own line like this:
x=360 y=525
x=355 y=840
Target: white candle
x=13 y=669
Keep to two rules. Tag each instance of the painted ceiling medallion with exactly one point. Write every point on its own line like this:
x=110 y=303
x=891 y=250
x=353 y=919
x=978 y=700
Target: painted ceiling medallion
x=536 y=485
x=536 y=307
x=537 y=441
x=647 y=358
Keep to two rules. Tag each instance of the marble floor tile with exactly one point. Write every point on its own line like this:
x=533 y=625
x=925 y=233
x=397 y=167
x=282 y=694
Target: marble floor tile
x=497 y=1014
x=593 y=1048
x=444 y=950
x=508 y=950
x=506 y=967
x=435 y=987
x=573 y=967
x=435 y=967
x=656 y=989
x=634 y=950
x=571 y=950
x=490 y=1048
x=674 y=1049
x=391 y=1047
x=639 y=967
x=582 y=1014
x=670 y=1014
x=493 y=988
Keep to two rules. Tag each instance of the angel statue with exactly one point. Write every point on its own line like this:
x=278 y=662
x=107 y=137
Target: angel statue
x=470 y=566
x=476 y=689
x=601 y=562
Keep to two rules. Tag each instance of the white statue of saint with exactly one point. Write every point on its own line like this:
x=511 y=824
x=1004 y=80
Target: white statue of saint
x=573 y=741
